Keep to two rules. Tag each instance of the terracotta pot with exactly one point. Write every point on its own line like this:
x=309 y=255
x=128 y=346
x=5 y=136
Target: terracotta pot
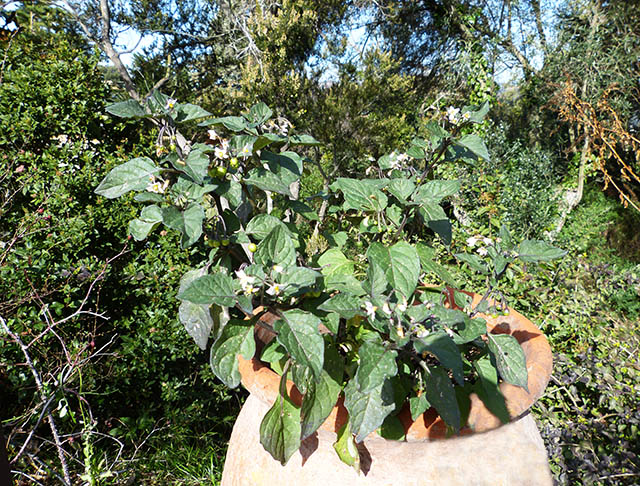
x=260 y=381
x=473 y=458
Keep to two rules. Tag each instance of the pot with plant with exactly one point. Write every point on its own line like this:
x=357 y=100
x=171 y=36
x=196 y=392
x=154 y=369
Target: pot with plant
x=358 y=370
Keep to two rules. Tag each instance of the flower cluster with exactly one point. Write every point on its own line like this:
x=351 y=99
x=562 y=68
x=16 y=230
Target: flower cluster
x=479 y=240
x=454 y=117
x=158 y=186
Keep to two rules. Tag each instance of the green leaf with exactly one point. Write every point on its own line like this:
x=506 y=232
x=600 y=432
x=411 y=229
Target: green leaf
x=367 y=411
x=322 y=393
x=418 y=405
x=538 y=251
x=488 y=388
x=376 y=283
x=477 y=113
x=280 y=429
x=298 y=333
x=475 y=144
x=233 y=123
x=442 y=396
x=259 y=113
x=362 y=195
x=432 y=212
x=284 y=169
x=134 y=175
x=510 y=359
x=442 y=228
x=185 y=112
x=149 y=218
x=303 y=209
x=506 y=242
x=473 y=261
x=196 y=318
x=433 y=192
x=208 y=289
x=442 y=347
x=377 y=363
x=149 y=197
x=196 y=165
x=471 y=329
x=427 y=256
x=401 y=188
x=126 y=109
x=277 y=249
x=401 y=264
x=344 y=305
x=298 y=280
x=263 y=224
x=346 y=447
x=188 y=222
x=392 y=429
x=236 y=339
x=333 y=262
x=304 y=140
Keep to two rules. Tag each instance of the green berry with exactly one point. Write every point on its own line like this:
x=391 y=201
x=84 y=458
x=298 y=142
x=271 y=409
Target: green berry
x=233 y=163
x=221 y=171
x=252 y=247
x=225 y=242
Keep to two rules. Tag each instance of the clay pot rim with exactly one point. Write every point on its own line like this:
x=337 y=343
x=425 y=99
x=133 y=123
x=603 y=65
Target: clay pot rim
x=261 y=381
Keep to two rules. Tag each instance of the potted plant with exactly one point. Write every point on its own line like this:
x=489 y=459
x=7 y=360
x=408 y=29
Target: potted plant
x=327 y=290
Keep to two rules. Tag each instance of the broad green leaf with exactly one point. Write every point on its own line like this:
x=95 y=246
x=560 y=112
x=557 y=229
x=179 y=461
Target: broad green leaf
x=208 y=289
x=304 y=140
x=432 y=212
x=510 y=359
x=344 y=305
x=418 y=405
x=346 y=447
x=280 y=429
x=149 y=197
x=149 y=217
x=475 y=144
x=448 y=317
x=297 y=280
x=333 y=262
x=473 y=261
x=401 y=264
x=376 y=283
x=298 y=333
x=362 y=195
x=368 y=410
x=416 y=152
x=188 y=222
x=134 y=175
x=274 y=354
x=184 y=186
x=196 y=318
x=233 y=123
x=505 y=236
x=277 y=249
x=344 y=283
x=435 y=191
x=236 y=339
x=259 y=113
x=196 y=165
x=377 y=363
x=157 y=102
x=392 y=429
x=263 y=224
x=477 y=113
x=284 y=169
x=445 y=350
x=538 y=251
x=441 y=227
x=427 y=257
x=322 y=393
x=126 y=109
x=304 y=210
x=401 y=188
x=488 y=388
x=471 y=329
x=185 y=112
x=442 y=396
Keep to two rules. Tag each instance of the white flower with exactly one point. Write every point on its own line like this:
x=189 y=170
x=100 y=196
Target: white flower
x=487 y=241
x=422 y=332
x=246 y=151
x=482 y=251
x=400 y=331
x=275 y=289
x=386 y=309
x=158 y=186
x=246 y=282
x=370 y=309
x=368 y=171
x=277 y=268
x=213 y=135
x=466 y=116
x=171 y=102
x=402 y=307
x=403 y=158
x=453 y=114
x=472 y=241
x=221 y=152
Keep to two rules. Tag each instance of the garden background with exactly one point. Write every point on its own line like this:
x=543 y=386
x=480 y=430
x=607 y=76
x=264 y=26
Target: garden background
x=89 y=335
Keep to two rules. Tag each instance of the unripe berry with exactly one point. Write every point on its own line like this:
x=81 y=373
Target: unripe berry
x=252 y=247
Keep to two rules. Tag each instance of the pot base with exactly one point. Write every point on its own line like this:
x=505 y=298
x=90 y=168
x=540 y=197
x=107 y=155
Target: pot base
x=511 y=455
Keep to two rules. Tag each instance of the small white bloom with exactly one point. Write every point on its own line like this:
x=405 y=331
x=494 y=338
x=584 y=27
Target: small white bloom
x=246 y=151
x=386 y=309
x=482 y=251
x=368 y=171
x=403 y=158
x=370 y=309
x=275 y=289
x=453 y=114
x=171 y=102
x=471 y=241
x=158 y=186
x=487 y=241
x=400 y=331
x=402 y=307
x=466 y=116
x=221 y=152
x=277 y=268
x=422 y=332
x=246 y=281
x=213 y=135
